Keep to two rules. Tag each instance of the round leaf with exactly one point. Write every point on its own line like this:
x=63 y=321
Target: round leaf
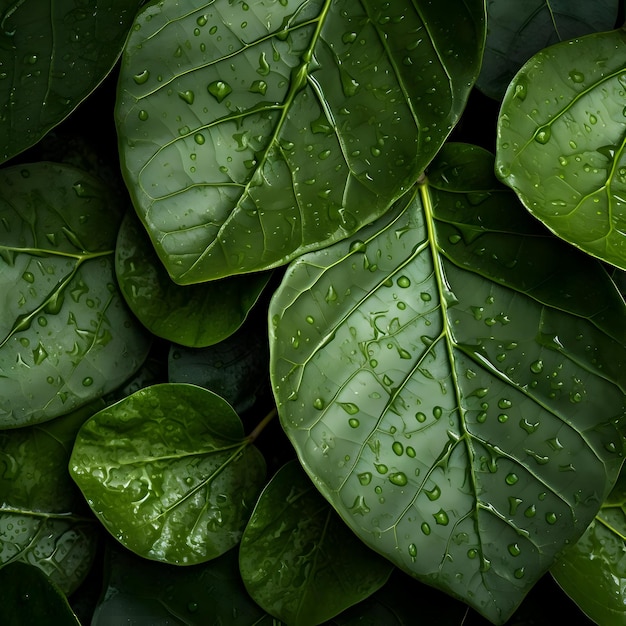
x=561 y=143
x=66 y=335
x=168 y=472
x=450 y=394
x=298 y=560
x=228 y=113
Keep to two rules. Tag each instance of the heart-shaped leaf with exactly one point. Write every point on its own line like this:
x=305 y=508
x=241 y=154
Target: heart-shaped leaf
x=168 y=472
x=66 y=335
x=251 y=132
x=451 y=386
x=195 y=316
x=561 y=142
x=298 y=560
x=52 y=56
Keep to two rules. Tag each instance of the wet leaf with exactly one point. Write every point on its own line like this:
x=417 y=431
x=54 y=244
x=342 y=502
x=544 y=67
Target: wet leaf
x=252 y=132
x=168 y=472
x=560 y=142
x=517 y=30
x=52 y=57
x=66 y=335
x=43 y=519
x=195 y=316
x=593 y=571
x=30 y=598
x=298 y=560
x=451 y=384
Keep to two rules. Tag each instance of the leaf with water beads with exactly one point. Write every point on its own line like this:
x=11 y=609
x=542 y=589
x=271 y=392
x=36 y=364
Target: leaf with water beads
x=456 y=399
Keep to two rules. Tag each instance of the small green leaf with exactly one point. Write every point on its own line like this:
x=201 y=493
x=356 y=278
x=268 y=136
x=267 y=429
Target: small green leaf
x=298 y=560
x=194 y=315
x=561 y=143
x=52 y=56
x=450 y=389
x=250 y=133
x=66 y=335
x=168 y=472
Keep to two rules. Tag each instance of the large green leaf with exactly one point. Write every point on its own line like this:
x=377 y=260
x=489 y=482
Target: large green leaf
x=251 y=132
x=168 y=472
x=52 y=56
x=517 y=30
x=298 y=560
x=43 y=518
x=451 y=381
x=561 y=142
x=66 y=335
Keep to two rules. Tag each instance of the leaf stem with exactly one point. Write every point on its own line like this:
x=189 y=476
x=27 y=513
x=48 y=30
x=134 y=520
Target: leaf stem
x=261 y=425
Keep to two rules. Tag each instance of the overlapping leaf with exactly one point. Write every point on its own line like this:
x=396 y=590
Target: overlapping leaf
x=452 y=386
x=168 y=472
x=66 y=335
x=251 y=132
x=561 y=142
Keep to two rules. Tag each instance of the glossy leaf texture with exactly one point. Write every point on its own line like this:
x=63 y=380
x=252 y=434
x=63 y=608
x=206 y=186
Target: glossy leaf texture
x=593 y=571
x=252 y=132
x=517 y=30
x=66 y=335
x=52 y=56
x=195 y=316
x=43 y=519
x=298 y=560
x=560 y=142
x=452 y=387
x=168 y=472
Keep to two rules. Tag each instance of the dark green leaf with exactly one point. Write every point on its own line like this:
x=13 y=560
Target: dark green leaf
x=446 y=393
x=66 y=335
x=43 y=519
x=561 y=142
x=52 y=56
x=517 y=30
x=168 y=472
x=194 y=315
x=28 y=597
x=298 y=560
x=251 y=133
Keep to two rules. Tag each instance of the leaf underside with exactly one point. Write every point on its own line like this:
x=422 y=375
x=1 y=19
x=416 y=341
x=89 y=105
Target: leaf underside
x=445 y=395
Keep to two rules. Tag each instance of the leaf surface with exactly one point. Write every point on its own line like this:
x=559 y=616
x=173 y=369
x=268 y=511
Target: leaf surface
x=251 y=132
x=451 y=387
x=66 y=335
x=168 y=473
x=561 y=142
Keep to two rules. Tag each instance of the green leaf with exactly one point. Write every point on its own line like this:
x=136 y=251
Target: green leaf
x=517 y=30
x=66 y=335
x=30 y=598
x=250 y=133
x=450 y=389
x=52 y=56
x=593 y=571
x=42 y=517
x=174 y=312
x=168 y=472
x=298 y=560
x=560 y=142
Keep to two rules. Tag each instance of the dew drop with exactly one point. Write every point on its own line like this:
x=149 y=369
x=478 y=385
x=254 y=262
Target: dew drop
x=399 y=479
x=536 y=367
x=319 y=404
x=199 y=138
x=420 y=417
x=219 y=89
x=551 y=518
x=87 y=381
x=404 y=282
x=381 y=468
x=331 y=294
x=425 y=528
x=365 y=478
x=441 y=518
x=412 y=550
x=141 y=77
x=397 y=448
x=511 y=479
x=577 y=77
x=258 y=86
x=188 y=96
x=514 y=549
x=143 y=115
x=353 y=422
x=433 y=494
x=29 y=277
x=543 y=134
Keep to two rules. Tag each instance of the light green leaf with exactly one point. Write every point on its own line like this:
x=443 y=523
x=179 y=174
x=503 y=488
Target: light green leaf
x=561 y=142
x=43 y=519
x=450 y=389
x=168 y=472
x=52 y=56
x=252 y=132
x=195 y=316
x=298 y=560
x=66 y=335
x=517 y=30
x=593 y=571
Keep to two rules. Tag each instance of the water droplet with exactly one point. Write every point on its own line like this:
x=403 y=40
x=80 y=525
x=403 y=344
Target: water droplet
x=199 y=138
x=412 y=550
x=399 y=479
x=425 y=296
x=319 y=404
x=365 y=478
x=425 y=528
x=536 y=367
x=258 y=86
x=543 y=134
x=433 y=494
x=551 y=518
x=437 y=412
x=202 y=20
x=404 y=282
x=381 y=468
x=514 y=549
x=331 y=294
x=219 y=89
x=29 y=277
x=87 y=381
x=188 y=96
x=531 y=511
x=577 y=77
x=398 y=448
x=354 y=423
x=503 y=403
x=521 y=88
x=472 y=553
x=39 y=354
x=511 y=479
x=441 y=518
x=519 y=573
x=410 y=452
x=141 y=77
x=349 y=37
x=264 y=67
x=143 y=115
x=192 y=607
